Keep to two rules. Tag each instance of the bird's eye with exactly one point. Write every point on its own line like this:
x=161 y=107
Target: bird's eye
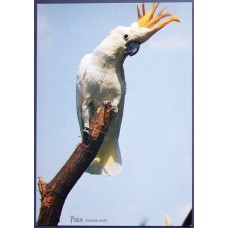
x=126 y=36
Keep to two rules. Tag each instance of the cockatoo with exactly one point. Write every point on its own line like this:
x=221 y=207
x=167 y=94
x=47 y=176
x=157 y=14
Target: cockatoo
x=101 y=78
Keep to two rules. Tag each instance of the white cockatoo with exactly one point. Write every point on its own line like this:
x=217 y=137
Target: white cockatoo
x=101 y=78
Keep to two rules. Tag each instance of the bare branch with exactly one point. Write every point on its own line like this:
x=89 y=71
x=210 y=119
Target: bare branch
x=54 y=193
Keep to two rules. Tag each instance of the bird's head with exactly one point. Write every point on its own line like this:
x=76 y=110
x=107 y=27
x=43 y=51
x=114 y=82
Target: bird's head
x=146 y=26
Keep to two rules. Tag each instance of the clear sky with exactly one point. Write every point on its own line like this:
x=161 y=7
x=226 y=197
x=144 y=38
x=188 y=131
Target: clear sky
x=156 y=132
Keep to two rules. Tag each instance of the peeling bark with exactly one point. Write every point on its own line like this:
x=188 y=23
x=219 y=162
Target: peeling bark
x=54 y=193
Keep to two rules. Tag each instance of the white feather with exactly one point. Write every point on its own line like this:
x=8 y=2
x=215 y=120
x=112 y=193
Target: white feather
x=100 y=78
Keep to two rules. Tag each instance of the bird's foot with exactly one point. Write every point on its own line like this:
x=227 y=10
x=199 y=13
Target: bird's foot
x=107 y=103
x=86 y=134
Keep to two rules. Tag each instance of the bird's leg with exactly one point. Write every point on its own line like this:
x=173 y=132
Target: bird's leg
x=86 y=116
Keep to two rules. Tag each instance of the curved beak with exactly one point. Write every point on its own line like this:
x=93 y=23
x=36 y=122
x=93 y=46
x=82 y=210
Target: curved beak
x=132 y=48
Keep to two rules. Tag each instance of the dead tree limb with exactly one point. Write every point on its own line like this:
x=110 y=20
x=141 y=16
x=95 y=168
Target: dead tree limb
x=54 y=193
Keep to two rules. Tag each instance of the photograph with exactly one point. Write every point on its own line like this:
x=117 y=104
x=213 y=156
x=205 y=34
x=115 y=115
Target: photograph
x=114 y=113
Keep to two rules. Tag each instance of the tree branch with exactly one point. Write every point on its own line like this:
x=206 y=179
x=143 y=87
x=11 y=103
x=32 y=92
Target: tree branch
x=54 y=193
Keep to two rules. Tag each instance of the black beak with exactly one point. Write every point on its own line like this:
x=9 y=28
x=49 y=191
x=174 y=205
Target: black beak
x=132 y=48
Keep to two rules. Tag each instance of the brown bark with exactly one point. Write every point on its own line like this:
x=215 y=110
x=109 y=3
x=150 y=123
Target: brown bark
x=54 y=193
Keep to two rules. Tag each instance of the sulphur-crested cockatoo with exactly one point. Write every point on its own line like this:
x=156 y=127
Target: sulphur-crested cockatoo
x=101 y=78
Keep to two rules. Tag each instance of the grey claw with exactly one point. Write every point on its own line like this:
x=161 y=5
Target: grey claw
x=105 y=103
x=86 y=134
x=86 y=130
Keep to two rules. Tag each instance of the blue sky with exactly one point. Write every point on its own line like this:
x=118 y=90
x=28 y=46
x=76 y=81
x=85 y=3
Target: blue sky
x=156 y=132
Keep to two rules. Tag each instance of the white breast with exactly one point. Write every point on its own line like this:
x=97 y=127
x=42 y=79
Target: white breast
x=103 y=84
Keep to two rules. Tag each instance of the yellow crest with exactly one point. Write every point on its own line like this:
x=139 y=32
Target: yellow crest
x=148 y=20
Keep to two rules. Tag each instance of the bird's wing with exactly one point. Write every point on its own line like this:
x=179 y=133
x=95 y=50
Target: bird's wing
x=79 y=87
